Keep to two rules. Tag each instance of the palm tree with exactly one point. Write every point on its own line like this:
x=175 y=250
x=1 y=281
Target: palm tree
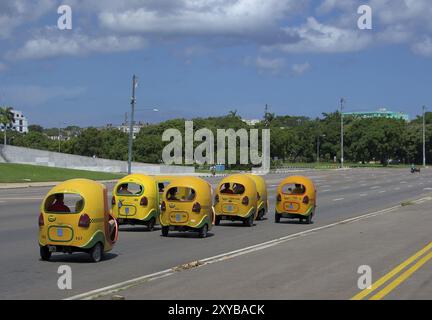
x=6 y=119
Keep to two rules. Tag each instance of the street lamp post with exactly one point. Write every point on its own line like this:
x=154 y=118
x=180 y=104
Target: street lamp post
x=342 y=101
x=134 y=84
x=424 y=136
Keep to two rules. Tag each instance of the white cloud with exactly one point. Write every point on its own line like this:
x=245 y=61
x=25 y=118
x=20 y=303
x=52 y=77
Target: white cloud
x=56 y=43
x=272 y=65
x=300 y=68
x=3 y=67
x=423 y=47
x=199 y=17
x=14 y=13
x=314 y=36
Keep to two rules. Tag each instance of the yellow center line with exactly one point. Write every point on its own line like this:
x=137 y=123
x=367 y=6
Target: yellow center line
x=392 y=273
x=401 y=278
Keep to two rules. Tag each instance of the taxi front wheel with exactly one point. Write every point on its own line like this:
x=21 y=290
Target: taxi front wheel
x=277 y=218
x=165 y=231
x=217 y=221
x=203 y=231
x=45 y=253
x=249 y=221
x=96 y=253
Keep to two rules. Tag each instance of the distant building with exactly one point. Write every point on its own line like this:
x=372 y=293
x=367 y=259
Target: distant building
x=136 y=128
x=251 y=122
x=20 y=123
x=381 y=113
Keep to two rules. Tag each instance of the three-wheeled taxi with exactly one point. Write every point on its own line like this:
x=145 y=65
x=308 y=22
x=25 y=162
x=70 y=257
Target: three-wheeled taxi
x=296 y=199
x=262 y=200
x=236 y=199
x=135 y=200
x=74 y=217
x=187 y=206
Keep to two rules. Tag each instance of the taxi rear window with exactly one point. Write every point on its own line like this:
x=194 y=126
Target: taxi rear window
x=183 y=194
x=232 y=188
x=64 y=203
x=293 y=189
x=129 y=189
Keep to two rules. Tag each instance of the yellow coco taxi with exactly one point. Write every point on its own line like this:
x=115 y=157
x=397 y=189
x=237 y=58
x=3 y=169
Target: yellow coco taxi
x=135 y=200
x=74 y=217
x=296 y=199
x=236 y=199
x=187 y=206
x=262 y=200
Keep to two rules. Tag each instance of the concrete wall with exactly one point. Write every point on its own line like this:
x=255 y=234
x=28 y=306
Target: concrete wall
x=14 y=154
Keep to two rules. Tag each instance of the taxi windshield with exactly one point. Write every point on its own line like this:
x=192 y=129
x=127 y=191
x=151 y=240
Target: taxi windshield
x=232 y=188
x=129 y=189
x=293 y=189
x=64 y=203
x=183 y=194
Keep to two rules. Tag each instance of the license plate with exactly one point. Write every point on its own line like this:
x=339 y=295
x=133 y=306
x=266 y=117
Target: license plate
x=178 y=217
x=291 y=206
x=127 y=210
x=229 y=208
x=59 y=232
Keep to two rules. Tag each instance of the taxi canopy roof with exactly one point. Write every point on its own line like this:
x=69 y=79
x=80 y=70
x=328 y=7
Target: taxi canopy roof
x=308 y=183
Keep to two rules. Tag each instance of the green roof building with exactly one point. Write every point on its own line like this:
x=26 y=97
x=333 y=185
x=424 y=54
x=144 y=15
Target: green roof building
x=381 y=113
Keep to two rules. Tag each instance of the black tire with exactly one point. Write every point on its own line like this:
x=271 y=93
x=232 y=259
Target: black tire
x=217 y=221
x=309 y=219
x=165 y=231
x=277 y=218
x=45 y=254
x=249 y=221
x=151 y=224
x=96 y=253
x=203 y=231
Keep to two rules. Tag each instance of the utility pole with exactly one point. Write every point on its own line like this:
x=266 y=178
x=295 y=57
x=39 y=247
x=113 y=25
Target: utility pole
x=131 y=123
x=424 y=136
x=342 y=101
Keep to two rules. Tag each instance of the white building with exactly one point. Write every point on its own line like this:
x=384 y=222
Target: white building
x=136 y=128
x=251 y=122
x=20 y=123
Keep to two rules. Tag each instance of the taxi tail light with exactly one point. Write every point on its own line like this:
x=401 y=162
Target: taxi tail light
x=41 y=220
x=279 y=198
x=163 y=206
x=144 y=201
x=113 y=200
x=306 y=200
x=196 y=207
x=245 y=200
x=84 y=221
x=217 y=198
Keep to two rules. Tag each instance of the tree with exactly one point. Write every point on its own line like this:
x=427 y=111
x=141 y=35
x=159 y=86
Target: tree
x=35 y=128
x=6 y=119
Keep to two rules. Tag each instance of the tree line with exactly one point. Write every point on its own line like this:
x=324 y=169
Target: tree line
x=293 y=138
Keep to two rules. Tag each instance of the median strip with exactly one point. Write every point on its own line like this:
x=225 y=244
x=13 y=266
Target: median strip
x=381 y=294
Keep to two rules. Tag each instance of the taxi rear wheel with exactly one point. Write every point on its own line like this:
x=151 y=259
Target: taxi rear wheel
x=96 y=253
x=249 y=221
x=45 y=253
x=165 y=231
x=203 y=231
x=151 y=224
x=277 y=218
x=309 y=219
x=217 y=220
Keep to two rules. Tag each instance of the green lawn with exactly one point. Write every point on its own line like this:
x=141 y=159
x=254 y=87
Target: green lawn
x=11 y=172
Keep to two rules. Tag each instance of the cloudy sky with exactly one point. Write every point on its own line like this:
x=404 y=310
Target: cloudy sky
x=206 y=57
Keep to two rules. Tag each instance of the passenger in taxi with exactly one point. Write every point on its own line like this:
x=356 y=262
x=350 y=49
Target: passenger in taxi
x=58 y=205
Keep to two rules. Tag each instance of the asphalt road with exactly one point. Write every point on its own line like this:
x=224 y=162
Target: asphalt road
x=342 y=194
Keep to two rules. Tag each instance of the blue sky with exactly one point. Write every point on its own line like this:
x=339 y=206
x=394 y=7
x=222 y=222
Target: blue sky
x=207 y=57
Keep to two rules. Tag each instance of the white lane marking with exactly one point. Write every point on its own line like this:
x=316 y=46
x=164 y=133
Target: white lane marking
x=228 y=255
x=427 y=189
x=402 y=182
x=396 y=188
x=338 y=199
x=363 y=194
x=374 y=187
x=382 y=191
x=327 y=190
x=410 y=186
